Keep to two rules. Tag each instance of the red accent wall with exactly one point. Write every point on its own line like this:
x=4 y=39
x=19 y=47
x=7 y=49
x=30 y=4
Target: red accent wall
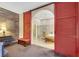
x=65 y=28
x=27 y=26
x=77 y=10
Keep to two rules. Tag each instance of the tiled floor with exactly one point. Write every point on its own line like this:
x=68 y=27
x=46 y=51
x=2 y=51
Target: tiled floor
x=17 y=50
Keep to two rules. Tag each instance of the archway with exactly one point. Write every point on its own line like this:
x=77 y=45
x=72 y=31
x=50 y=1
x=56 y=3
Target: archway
x=43 y=29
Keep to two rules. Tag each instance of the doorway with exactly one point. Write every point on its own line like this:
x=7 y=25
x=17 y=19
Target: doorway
x=43 y=28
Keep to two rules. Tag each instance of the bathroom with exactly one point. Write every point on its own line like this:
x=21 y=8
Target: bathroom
x=43 y=27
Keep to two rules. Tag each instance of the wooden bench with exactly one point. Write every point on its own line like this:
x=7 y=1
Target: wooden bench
x=24 y=42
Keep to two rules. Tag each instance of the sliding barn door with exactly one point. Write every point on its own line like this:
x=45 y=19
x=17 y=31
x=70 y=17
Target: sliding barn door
x=27 y=26
x=65 y=28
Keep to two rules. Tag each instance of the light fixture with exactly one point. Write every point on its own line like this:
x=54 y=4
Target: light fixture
x=3 y=28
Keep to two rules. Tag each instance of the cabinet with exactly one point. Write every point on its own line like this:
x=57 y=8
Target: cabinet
x=67 y=28
x=23 y=42
x=7 y=40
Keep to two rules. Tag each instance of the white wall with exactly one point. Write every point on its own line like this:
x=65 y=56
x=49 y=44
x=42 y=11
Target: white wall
x=21 y=26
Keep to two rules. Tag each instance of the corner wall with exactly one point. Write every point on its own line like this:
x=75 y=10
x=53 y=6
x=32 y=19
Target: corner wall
x=21 y=26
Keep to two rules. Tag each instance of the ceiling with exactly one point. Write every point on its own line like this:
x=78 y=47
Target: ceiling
x=20 y=7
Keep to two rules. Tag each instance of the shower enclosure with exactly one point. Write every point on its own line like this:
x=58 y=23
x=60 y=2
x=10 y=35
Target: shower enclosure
x=43 y=28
